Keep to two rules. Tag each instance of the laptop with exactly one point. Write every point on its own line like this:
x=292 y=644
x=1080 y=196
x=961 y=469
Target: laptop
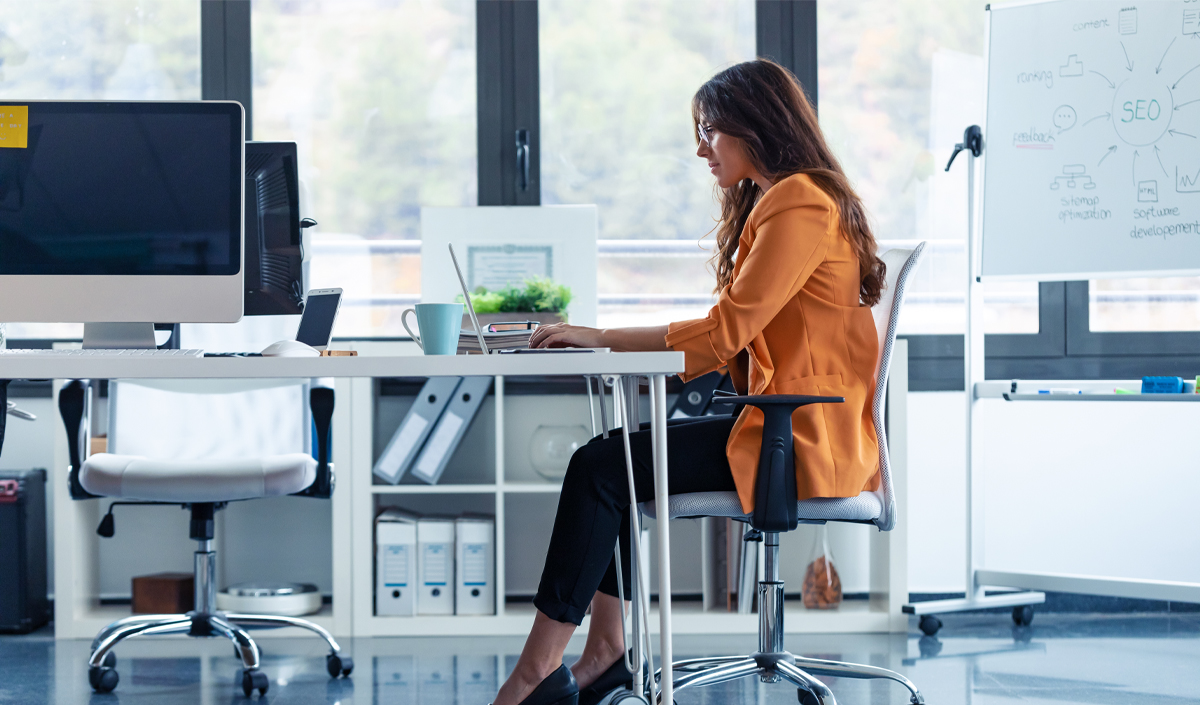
x=479 y=330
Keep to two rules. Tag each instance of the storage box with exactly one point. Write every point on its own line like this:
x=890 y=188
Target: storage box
x=163 y=593
x=435 y=572
x=475 y=565
x=395 y=564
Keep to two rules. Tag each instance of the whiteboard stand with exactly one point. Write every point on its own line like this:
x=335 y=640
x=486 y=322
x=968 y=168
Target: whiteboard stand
x=975 y=598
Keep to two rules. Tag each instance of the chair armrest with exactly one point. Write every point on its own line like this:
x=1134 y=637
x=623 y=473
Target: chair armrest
x=73 y=401
x=795 y=401
x=775 y=485
x=320 y=400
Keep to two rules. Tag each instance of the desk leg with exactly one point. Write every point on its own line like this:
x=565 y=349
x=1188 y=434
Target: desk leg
x=658 y=426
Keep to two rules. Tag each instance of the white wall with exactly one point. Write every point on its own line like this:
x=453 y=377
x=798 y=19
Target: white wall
x=1070 y=487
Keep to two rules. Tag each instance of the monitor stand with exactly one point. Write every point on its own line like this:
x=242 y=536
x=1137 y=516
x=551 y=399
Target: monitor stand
x=118 y=335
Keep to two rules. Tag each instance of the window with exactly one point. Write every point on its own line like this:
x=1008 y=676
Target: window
x=379 y=96
x=115 y=50
x=898 y=84
x=616 y=81
x=1159 y=304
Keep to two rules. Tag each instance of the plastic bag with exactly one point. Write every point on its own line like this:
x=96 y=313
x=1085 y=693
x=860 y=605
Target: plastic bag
x=822 y=588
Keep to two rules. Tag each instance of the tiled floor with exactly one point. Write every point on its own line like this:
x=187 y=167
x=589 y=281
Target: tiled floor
x=977 y=659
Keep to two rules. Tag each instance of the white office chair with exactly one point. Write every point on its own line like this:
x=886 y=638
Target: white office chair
x=203 y=486
x=773 y=513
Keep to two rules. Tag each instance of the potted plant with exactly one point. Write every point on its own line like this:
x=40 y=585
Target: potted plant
x=540 y=300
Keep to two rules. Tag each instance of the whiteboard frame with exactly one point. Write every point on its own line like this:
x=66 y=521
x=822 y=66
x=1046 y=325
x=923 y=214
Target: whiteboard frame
x=977 y=266
x=977 y=576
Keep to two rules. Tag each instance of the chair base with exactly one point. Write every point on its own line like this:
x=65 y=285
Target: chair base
x=102 y=672
x=782 y=666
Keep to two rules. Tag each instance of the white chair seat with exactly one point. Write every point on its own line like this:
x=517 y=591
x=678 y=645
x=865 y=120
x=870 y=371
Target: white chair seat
x=186 y=481
x=867 y=506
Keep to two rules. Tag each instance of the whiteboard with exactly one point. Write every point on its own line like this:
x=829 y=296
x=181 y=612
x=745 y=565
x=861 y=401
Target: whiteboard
x=1092 y=140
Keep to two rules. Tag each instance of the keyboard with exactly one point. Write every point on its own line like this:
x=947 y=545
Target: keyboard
x=26 y=353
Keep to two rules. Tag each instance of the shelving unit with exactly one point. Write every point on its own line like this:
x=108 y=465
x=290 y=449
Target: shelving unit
x=888 y=551
x=499 y=481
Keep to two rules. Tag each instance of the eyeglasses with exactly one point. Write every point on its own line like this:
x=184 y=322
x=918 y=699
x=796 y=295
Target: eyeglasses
x=705 y=133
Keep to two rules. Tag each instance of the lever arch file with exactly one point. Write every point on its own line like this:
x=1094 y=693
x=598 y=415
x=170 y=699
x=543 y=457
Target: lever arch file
x=415 y=429
x=435 y=545
x=475 y=554
x=450 y=429
x=395 y=563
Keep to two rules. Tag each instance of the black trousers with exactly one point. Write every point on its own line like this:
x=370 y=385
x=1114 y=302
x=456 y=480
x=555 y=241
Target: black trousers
x=593 y=509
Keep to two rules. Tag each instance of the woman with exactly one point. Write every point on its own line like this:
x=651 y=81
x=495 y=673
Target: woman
x=792 y=317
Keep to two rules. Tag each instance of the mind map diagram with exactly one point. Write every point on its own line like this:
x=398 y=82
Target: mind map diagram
x=1147 y=96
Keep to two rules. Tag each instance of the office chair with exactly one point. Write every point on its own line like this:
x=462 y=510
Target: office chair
x=203 y=487
x=777 y=510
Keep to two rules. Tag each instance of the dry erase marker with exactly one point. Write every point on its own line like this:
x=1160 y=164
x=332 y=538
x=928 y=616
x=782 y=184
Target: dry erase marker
x=1059 y=390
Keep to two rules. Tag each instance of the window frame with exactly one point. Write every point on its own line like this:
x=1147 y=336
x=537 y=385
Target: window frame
x=506 y=71
x=507 y=63
x=225 y=55
x=786 y=31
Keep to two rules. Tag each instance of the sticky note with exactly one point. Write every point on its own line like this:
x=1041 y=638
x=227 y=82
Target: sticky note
x=14 y=126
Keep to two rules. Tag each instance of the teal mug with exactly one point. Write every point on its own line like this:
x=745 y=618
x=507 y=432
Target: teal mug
x=439 y=326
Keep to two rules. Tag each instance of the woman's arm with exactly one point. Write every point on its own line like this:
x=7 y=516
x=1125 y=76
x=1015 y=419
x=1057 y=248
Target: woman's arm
x=562 y=335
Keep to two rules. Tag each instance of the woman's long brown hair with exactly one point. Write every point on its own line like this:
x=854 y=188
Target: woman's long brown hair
x=762 y=104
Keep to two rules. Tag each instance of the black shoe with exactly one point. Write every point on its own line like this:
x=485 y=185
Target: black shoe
x=558 y=688
x=617 y=676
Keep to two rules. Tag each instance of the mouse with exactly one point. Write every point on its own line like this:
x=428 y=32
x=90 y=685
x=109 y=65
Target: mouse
x=290 y=348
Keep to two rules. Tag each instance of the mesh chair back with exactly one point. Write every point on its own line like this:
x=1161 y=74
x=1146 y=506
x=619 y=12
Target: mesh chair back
x=900 y=266
x=208 y=419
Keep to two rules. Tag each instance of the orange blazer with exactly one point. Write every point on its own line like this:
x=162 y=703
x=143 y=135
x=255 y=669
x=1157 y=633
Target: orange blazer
x=790 y=322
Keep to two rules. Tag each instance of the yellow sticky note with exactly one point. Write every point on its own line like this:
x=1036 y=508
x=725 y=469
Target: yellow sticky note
x=14 y=126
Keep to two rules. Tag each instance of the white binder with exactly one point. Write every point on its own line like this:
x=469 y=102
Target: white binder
x=450 y=429
x=395 y=563
x=421 y=419
x=435 y=575
x=475 y=564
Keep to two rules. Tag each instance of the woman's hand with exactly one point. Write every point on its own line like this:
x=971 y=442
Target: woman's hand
x=563 y=335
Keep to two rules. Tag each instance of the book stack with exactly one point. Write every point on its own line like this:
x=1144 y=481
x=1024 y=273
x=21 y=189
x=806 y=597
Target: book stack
x=499 y=336
x=468 y=342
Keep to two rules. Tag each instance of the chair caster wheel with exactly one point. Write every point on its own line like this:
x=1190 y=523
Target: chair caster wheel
x=1023 y=615
x=103 y=678
x=254 y=679
x=929 y=625
x=339 y=665
x=110 y=660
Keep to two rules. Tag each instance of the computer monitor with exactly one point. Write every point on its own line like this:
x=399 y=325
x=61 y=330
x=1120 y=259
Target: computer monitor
x=274 y=254
x=121 y=213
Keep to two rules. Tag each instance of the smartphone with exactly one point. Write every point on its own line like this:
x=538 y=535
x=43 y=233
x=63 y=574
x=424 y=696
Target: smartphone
x=320 y=312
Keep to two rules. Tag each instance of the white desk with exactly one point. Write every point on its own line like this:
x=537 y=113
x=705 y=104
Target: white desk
x=656 y=365
x=648 y=364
